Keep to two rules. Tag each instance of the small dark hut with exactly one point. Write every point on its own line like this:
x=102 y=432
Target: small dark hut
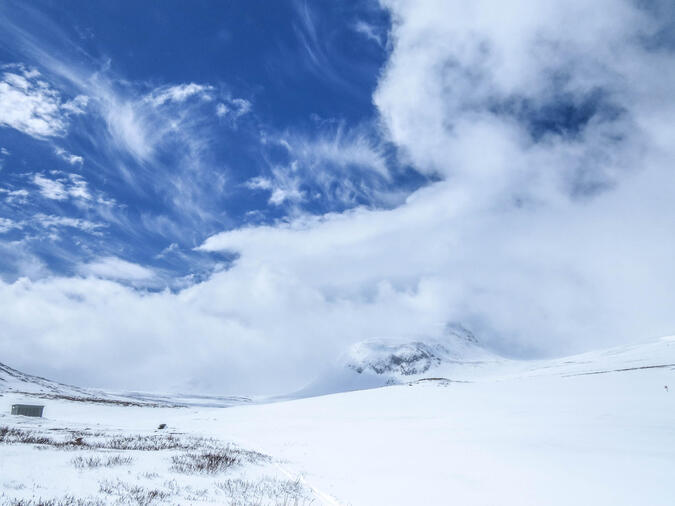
x=27 y=410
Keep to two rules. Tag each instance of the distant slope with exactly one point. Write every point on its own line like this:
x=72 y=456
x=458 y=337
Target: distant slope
x=191 y=399
x=459 y=356
x=653 y=354
x=16 y=382
x=13 y=381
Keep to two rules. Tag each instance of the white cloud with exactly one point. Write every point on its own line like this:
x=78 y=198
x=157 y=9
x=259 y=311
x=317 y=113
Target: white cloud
x=63 y=188
x=78 y=187
x=15 y=195
x=241 y=106
x=235 y=108
x=464 y=76
x=50 y=188
x=368 y=31
x=69 y=157
x=140 y=124
x=340 y=149
x=77 y=105
x=221 y=110
x=167 y=130
x=130 y=128
x=179 y=93
x=32 y=106
x=116 y=268
x=260 y=183
x=7 y=224
x=333 y=163
x=52 y=221
x=163 y=122
x=283 y=187
x=540 y=240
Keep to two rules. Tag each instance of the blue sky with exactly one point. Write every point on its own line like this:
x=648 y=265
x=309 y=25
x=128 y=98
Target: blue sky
x=239 y=81
x=226 y=196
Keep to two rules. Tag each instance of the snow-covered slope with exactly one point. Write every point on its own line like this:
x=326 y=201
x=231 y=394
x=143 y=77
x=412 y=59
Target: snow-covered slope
x=594 y=428
x=29 y=388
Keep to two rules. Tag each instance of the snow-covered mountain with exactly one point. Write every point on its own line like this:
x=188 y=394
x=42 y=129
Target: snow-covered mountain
x=398 y=359
x=379 y=362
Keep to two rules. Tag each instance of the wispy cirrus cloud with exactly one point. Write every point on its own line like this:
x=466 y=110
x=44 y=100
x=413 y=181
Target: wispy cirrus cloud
x=146 y=122
x=134 y=129
x=339 y=148
x=48 y=221
x=281 y=186
x=333 y=165
x=233 y=108
x=370 y=32
x=179 y=93
x=140 y=129
x=117 y=269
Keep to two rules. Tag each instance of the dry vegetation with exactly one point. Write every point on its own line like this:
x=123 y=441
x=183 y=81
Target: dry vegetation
x=184 y=454
x=64 y=501
x=125 y=493
x=206 y=462
x=266 y=492
x=89 y=440
x=94 y=461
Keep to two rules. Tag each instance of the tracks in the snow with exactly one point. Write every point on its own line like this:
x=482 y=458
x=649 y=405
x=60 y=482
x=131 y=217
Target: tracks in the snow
x=661 y=366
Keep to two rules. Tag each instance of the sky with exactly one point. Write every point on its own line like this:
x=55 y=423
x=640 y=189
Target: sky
x=225 y=196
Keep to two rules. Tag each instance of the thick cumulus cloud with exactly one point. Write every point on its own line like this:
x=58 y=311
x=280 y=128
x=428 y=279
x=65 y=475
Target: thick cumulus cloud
x=547 y=123
x=548 y=128
x=251 y=329
x=529 y=98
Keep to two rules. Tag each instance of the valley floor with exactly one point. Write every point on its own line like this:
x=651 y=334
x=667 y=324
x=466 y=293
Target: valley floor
x=595 y=429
